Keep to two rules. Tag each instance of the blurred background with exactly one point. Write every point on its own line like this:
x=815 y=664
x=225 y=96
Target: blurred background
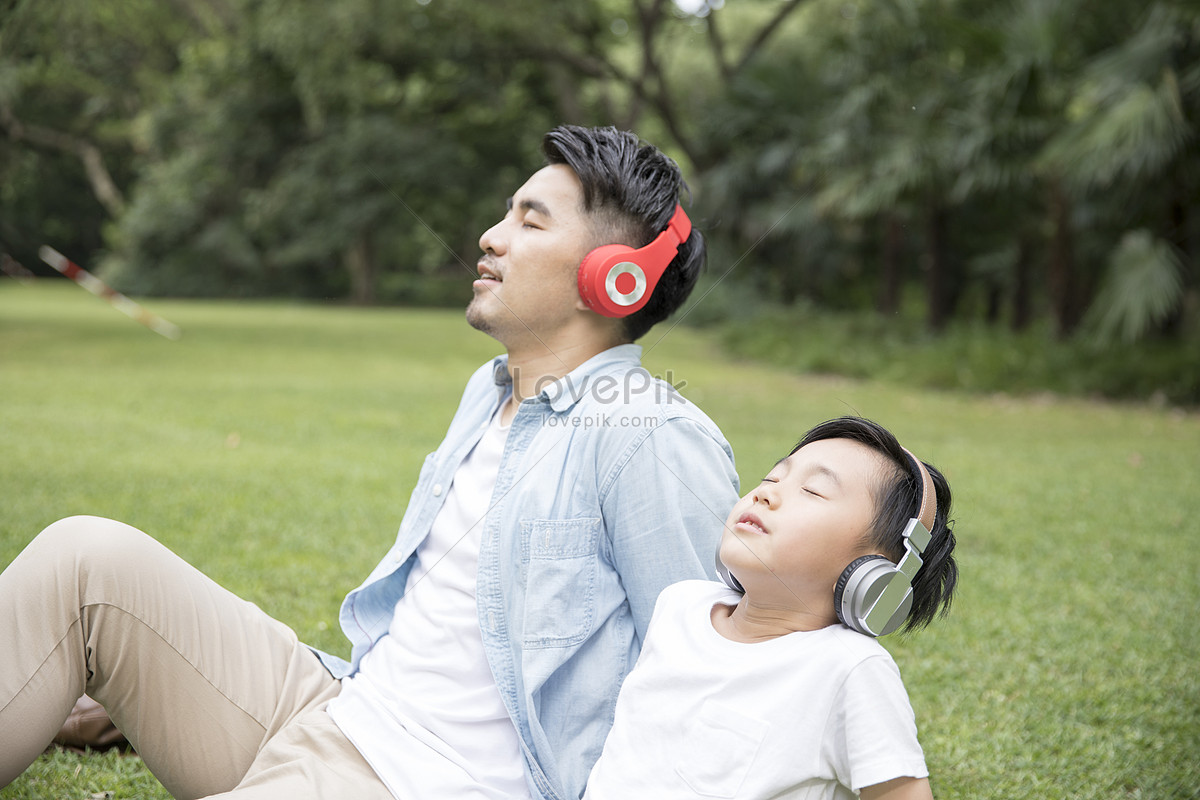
x=998 y=196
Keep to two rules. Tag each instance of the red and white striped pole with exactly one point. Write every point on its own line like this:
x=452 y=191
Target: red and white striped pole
x=101 y=289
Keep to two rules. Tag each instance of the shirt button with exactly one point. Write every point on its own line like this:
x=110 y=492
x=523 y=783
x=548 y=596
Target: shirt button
x=437 y=490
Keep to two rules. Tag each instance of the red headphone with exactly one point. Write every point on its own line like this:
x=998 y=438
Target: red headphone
x=616 y=280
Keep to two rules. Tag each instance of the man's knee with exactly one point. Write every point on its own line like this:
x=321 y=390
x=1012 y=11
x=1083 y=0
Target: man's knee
x=80 y=528
x=86 y=544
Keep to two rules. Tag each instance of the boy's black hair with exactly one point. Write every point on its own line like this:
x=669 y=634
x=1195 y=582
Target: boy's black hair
x=633 y=189
x=896 y=501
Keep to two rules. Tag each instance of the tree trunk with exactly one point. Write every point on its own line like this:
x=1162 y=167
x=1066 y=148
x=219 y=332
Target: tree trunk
x=993 y=302
x=938 y=280
x=1177 y=234
x=360 y=263
x=1064 y=302
x=1022 y=309
x=890 y=277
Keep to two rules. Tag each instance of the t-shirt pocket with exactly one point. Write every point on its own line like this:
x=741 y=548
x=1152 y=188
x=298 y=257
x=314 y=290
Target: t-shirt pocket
x=720 y=750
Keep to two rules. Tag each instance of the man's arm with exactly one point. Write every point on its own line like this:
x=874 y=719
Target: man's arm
x=899 y=789
x=664 y=509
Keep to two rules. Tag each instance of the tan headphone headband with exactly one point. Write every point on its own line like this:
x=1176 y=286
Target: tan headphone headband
x=928 y=510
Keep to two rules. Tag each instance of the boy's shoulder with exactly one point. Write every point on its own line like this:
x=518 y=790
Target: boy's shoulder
x=856 y=646
x=698 y=589
x=679 y=600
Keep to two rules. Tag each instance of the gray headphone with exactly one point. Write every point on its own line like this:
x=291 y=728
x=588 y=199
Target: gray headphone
x=872 y=595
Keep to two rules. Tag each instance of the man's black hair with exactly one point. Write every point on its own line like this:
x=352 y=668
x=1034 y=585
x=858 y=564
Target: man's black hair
x=633 y=189
x=896 y=502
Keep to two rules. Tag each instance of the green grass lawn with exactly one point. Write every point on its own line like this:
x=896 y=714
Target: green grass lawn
x=272 y=435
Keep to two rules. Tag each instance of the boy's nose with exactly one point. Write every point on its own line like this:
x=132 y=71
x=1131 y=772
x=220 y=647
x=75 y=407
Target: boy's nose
x=765 y=495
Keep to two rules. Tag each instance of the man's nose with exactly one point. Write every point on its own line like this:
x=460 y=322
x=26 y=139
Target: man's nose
x=492 y=240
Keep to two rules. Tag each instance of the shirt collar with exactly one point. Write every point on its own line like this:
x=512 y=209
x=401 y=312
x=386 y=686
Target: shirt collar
x=569 y=389
x=500 y=372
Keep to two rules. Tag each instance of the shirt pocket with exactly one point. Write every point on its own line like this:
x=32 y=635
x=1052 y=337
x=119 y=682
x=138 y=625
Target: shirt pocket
x=719 y=751
x=560 y=584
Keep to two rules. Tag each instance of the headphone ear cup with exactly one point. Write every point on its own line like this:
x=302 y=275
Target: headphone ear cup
x=726 y=576
x=616 y=280
x=595 y=264
x=611 y=282
x=860 y=583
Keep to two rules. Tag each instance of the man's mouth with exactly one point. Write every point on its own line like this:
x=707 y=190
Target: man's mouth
x=487 y=273
x=752 y=523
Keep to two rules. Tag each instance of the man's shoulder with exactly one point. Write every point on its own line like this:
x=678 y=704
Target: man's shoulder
x=479 y=399
x=490 y=372
x=485 y=379
x=635 y=389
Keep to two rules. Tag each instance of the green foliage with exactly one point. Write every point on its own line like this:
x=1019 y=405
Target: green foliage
x=74 y=76
x=970 y=357
x=1129 y=119
x=284 y=160
x=889 y=140
x=1145 y=284
x=849 y=155
x=273 y=434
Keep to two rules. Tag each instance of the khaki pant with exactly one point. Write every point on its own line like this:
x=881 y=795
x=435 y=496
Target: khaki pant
x=216 y=696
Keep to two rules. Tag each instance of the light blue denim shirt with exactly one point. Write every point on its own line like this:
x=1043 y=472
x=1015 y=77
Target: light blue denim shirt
x=611 y=487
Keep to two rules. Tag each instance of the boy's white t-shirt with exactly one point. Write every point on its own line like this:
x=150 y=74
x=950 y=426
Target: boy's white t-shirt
x=815 y=714
x=424 y=709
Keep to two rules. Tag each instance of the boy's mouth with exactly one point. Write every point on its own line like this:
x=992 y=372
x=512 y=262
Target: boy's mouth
x=752 y=523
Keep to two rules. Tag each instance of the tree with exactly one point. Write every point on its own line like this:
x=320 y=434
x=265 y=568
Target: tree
x=66 y=108
x=293 y=161
x=998 y=161
x=851 y=125
x=1131 y=147
x=1027 y=144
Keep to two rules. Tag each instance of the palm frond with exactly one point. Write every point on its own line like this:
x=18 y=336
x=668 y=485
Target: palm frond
x=1144 y=285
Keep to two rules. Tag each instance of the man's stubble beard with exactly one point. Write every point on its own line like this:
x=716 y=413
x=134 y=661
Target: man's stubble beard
x=477 y=320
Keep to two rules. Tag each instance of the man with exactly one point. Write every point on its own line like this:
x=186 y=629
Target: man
x=490 y=643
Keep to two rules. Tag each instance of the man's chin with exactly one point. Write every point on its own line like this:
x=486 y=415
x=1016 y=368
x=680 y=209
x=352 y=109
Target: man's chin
x=478 y=320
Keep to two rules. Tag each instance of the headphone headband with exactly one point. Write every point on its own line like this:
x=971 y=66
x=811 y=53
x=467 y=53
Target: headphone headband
x=927 y=511
x=873 y=596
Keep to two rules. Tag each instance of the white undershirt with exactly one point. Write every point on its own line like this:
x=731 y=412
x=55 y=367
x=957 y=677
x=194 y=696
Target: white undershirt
x=423 y=708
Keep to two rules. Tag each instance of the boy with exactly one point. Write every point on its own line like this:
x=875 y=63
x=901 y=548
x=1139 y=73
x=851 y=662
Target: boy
x=767 y=687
